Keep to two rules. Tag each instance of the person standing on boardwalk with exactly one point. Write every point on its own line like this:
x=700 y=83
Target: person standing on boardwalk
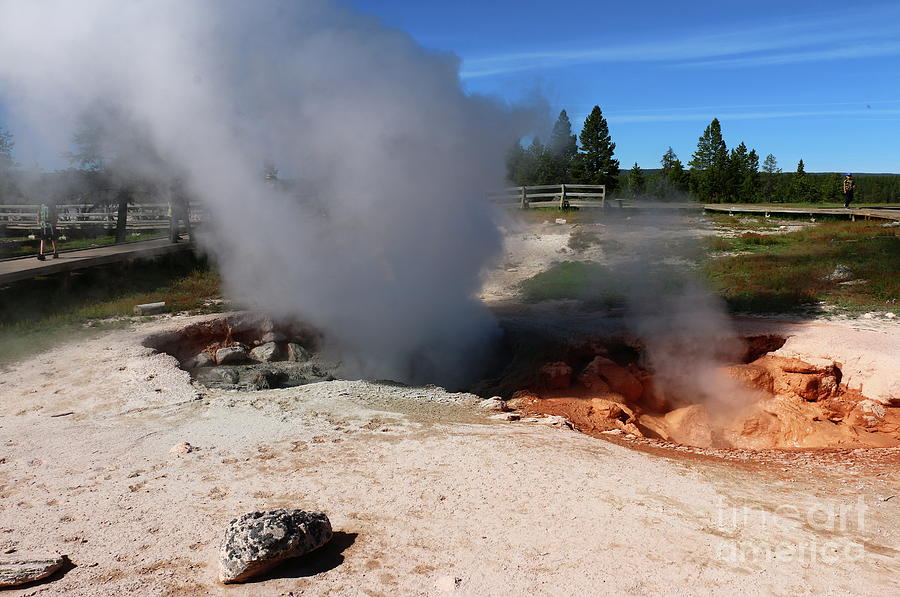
x=179 y=210
x=47 y=221
x=849 y=185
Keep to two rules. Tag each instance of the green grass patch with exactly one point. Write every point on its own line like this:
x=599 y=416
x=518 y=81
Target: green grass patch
x=780 y=273
x=788 y=272
x=38 y=314
x=597 y=285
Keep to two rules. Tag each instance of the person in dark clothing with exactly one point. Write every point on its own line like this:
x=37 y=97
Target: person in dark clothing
x=47 y=222
x=849 y=185
x=179 y=210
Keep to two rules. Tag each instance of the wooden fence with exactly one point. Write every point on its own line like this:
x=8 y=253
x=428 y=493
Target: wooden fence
x=146 y=216
x=564 y=195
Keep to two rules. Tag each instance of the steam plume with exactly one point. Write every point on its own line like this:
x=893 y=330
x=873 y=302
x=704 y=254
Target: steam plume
x=386 y=250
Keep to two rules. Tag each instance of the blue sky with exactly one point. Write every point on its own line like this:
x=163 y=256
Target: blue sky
x=813 y=80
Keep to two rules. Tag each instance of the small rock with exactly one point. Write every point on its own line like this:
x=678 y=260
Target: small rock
x=495 y=403
x=261 y=380
x=182 y=448
x=296 y=353
x=447 y=584
x=890 y=315
x=556 y=376
x=867 y=413
x=231 y=355
x=551 y=420
x=560 y=220
x=259 y=540
x=507 y=417
x=868 y=316
x=150 y=308
x=20 y=570
x=841 y=272
x=265 y=353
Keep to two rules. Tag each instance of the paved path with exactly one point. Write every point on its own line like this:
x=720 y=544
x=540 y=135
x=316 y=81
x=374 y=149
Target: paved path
x=13 y=270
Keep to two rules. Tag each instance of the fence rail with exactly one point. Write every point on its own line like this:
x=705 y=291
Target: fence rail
x=140 y=216
x=563 y=194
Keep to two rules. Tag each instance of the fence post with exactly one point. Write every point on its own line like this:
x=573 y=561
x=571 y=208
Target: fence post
x=563 y=203
x=524 y=198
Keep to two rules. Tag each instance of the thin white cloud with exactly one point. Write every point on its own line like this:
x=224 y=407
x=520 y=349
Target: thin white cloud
x=805 y=41
x=847 y=52
x=758 y=115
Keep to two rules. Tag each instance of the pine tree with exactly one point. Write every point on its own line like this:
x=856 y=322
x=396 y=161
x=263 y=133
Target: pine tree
x=562 y=148
x=709 y=164
x=7 y=165
x=771 y=174
x=672 y=178
x=749 y=189
x=802 y=189
x=516 y=165
x=636 y=181
x=596 y=162
x=6 y=150
x=562 y=142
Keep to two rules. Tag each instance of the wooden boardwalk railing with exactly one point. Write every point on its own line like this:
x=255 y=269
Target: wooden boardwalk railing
x=140 y=216
x=564 y=195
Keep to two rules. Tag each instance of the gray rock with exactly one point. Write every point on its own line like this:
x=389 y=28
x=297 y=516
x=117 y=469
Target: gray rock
x=20 y=570
x=261 y=379
x=150 y=308
x=297 y=353
x=219 y=375
x=201 y=360
x=265 y=353
x=841 y=272
x=231 y=355
x=258 y=541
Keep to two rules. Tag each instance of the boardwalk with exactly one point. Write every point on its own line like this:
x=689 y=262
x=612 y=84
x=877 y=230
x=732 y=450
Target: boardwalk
x=864 y=213
x=13 y=270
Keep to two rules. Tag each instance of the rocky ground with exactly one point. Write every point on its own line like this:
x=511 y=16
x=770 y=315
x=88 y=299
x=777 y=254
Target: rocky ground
x=428 y=493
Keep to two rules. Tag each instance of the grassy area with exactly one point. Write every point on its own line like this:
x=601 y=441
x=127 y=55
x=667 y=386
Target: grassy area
x=38 y=314
x=786 y=272
x=774 y=273
x=22 y=247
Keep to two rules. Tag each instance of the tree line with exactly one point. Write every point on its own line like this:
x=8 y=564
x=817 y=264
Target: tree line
x=714 y=173
x=116 y=168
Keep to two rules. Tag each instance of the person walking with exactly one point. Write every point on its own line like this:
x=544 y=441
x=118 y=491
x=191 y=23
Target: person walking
x=849 y=185
x=47 y=222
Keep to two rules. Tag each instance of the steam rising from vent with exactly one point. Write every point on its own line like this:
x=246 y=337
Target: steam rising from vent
x=386 y=247
x=687 y=334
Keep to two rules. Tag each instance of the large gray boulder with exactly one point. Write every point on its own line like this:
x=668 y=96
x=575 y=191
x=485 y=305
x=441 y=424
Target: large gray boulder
x=231 y=355
x=258 y=541
x=265 y=353
x=297 y=354
x=21 y=570
x=201 y=360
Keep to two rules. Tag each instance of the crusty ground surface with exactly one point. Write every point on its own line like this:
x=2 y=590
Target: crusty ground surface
x=428 y=494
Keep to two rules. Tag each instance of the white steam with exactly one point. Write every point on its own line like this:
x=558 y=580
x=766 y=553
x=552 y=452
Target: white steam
x=386 y=250
x=684 y=327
